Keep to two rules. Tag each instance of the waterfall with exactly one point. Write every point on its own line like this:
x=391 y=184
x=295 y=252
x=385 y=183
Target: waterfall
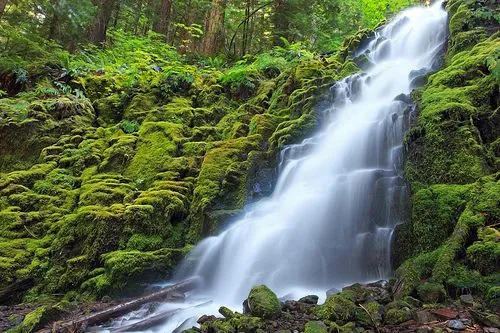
x=340 y=193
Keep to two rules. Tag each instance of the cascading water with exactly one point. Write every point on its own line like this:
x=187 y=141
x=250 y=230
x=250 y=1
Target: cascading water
x=340 y=193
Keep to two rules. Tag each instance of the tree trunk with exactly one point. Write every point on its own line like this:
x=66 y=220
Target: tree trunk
x=3 y=4
x=96 y=32
x=280 y=21
x=213 y=39
x=161 y=24
x=137 y=17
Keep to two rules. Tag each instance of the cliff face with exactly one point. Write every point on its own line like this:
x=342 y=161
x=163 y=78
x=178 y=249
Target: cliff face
x=453 y=162
x=103 y=186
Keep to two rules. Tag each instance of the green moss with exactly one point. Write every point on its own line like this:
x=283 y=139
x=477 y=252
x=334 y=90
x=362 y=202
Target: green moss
x=315 y=327
x=156 y=143
x=431 y=292
x=484 y=256
x=140 y=106
x=339 y=308
x=397 y=316
x=263 y=303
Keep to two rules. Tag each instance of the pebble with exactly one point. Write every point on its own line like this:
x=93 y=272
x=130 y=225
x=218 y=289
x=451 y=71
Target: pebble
x=456 y=325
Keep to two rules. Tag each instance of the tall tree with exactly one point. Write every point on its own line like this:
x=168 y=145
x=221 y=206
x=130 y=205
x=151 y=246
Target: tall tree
x=3 y=4
x=161 y=24
x=280 y=20
x=96 y=32
x=213 y=38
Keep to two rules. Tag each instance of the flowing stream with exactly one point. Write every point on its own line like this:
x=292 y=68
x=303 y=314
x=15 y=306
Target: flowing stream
x=339 y=194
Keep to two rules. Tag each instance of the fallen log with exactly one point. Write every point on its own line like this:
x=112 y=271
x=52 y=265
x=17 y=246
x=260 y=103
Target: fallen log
x=81 y=323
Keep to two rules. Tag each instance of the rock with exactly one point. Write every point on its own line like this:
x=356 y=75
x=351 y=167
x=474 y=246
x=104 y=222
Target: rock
x=106 y=299
x=339 y=308
x=176 y=296
x=246 y=309
x=423 y=317
x=403 y=98
x=310 y=299
x=467 y=300
x=263 y=303
x=204 y=319
x=332 y=291
x=397 y=316
x=431 y=292
x=376 y=291
x=455 y=325
x=315 y=327
x=226 y=312
x=445 y=313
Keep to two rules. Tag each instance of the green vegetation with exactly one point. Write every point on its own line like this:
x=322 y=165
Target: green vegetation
x=453 y=167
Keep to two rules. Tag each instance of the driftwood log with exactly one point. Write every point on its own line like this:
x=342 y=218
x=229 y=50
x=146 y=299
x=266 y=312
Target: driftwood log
x=79 y=324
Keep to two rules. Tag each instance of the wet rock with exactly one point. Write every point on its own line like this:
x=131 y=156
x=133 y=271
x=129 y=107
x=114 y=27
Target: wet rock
x=403 y=98
x=263 y=303
x=467 y=300
x=455 y=325
x=310 y=299
x=332 y=291
x=205 y=319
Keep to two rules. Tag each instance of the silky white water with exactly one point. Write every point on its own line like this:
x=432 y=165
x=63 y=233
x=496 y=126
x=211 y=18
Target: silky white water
x=339 y=194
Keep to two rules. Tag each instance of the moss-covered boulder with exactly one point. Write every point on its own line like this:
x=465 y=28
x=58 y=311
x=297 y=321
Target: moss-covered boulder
x=431 y=292
x=263 y=303
x=339 y=308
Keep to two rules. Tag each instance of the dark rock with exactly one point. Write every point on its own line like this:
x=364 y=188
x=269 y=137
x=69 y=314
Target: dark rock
x=456 y=325
x=332 y=291
x=403 y=98
x=204 y=319
x=246 y=309
x=310 y=299
x=467 y=300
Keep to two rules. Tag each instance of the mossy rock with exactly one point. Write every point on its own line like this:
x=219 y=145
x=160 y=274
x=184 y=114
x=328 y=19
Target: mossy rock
x=315 y=327
x=339 y=308
x=263 y=303
x=431 y=292
x=397 y=316
x=37 y=319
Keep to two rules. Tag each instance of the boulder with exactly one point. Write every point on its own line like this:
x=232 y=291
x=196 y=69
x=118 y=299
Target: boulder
x=431 y=292
x=263 y=303
x=310 y=299
x=467 y=300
